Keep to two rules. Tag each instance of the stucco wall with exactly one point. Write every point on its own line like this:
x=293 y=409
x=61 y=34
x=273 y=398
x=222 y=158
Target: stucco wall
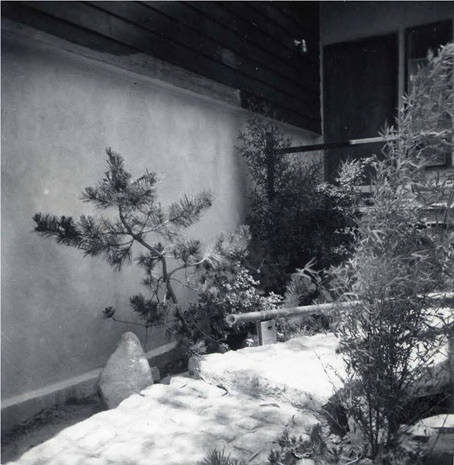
x=59 y=112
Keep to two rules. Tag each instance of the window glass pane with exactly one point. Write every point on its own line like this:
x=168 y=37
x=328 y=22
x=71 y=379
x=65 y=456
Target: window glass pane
x=420 y=40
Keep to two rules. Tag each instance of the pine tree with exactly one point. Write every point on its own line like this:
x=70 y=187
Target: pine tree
x=139 y=219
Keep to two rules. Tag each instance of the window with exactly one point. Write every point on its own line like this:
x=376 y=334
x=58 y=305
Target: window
x=421 y=40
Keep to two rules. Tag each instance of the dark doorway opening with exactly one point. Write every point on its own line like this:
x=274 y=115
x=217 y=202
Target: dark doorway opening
x=360 y=94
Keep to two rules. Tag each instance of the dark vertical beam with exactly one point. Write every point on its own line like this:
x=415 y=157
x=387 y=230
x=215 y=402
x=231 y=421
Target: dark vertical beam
x=269 y=157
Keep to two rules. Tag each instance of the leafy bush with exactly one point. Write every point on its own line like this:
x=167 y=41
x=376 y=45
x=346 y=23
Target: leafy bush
x=293 y=216
x=225 y=287
x=292 y=449
x=306 y=325
x=387 y=334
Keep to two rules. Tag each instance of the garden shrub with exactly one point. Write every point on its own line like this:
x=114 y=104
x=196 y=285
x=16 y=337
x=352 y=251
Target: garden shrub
x=317 y=447
x=293 y=217
x=307 y=325
x=304 y=287
x=224 y=287
x=387 y=334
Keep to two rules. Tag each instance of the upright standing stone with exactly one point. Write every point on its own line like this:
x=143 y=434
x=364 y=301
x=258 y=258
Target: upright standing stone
x=126 y=372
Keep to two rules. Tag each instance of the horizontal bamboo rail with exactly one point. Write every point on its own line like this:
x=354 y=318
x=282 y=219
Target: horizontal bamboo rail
x=321 y=309
x=332 y=145
x=234 y=319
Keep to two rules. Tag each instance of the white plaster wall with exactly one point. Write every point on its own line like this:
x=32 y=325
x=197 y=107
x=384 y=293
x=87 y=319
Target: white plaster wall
x=59 y=112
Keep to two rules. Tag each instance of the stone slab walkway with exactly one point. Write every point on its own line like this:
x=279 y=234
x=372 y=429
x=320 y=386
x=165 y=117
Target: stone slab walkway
x=242 y=403
x=175 y=424
x=304 y=371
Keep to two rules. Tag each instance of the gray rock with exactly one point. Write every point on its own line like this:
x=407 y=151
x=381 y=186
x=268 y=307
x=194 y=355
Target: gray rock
x=126 y=372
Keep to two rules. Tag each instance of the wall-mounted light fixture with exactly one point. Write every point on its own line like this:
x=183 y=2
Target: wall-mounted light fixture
x=300 y=46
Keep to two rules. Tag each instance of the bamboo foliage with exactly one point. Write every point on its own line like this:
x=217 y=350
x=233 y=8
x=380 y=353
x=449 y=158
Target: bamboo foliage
x=398 y=260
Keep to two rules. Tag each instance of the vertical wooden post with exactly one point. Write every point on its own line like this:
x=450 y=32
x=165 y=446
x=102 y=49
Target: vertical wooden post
x=269 y=156
x=451 y=367
x=266 y=332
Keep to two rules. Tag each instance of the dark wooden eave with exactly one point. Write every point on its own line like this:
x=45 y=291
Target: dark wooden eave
x=245 y=45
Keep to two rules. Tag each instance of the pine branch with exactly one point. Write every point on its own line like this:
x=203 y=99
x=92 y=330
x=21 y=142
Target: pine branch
x=116 y=187
x=149 y=261
x=63 y=229
x=187 y=251
x=154 y=219
x=233 y=246
x=114 y=182
x=142 y=191
x=187 y=265
x=98 y=239
x=135 y=236
x=148 y=309
x=93 y=236
x=188 y=210
x=117 y=257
